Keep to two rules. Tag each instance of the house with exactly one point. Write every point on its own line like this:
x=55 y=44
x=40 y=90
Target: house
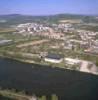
x=53 y=58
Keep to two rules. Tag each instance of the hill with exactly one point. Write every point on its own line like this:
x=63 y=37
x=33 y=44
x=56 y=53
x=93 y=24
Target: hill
x=14 y=19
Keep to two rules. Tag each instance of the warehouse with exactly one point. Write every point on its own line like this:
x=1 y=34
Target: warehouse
x=53 y=58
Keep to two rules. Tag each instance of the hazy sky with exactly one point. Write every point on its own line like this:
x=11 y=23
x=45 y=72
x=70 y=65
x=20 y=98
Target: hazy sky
x=47 y=7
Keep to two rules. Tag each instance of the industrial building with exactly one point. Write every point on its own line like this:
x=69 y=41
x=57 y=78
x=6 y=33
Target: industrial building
x=53 y=58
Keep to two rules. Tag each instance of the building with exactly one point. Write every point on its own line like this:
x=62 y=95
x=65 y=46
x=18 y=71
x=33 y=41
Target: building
x=71 y=61
x=53 y=58
x=68 y=45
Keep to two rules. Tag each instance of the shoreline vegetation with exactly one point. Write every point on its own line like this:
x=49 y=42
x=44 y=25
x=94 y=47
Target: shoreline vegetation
x=13 y=94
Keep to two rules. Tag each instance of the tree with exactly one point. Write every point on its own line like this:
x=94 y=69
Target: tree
x=43 y=98
x=54 y=97
x=87 y=19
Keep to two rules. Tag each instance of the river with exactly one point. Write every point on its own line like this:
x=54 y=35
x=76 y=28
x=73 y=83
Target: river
x=44 y=80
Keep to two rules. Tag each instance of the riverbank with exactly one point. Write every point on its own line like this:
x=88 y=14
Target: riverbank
x=21 y=60
x=45 y=64
x=33 y=62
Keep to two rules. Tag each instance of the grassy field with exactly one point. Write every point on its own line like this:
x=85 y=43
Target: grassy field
x=7 y=30
x=32 y=43
x=70 y=21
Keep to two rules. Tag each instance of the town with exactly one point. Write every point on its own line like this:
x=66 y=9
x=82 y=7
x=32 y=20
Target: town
x=63 y=44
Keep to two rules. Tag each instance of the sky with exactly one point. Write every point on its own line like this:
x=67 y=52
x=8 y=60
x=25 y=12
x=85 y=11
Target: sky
x=48 y=7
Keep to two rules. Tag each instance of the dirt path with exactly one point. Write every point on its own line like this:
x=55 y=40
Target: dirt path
x=32 y=43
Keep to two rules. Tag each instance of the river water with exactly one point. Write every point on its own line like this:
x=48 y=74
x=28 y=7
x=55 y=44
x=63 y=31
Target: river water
x=44 y=80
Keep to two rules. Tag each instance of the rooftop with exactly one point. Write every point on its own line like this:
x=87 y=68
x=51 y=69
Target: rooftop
x=53 y=56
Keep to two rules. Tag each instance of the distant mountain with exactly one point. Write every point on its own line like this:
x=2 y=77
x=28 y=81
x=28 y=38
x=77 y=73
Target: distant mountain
x=13 y=19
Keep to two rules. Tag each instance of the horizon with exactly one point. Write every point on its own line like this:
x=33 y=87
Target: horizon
x=49 y=7
x=50 y=14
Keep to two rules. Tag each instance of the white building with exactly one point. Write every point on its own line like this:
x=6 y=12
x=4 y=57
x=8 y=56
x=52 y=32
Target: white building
x=72 y=61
